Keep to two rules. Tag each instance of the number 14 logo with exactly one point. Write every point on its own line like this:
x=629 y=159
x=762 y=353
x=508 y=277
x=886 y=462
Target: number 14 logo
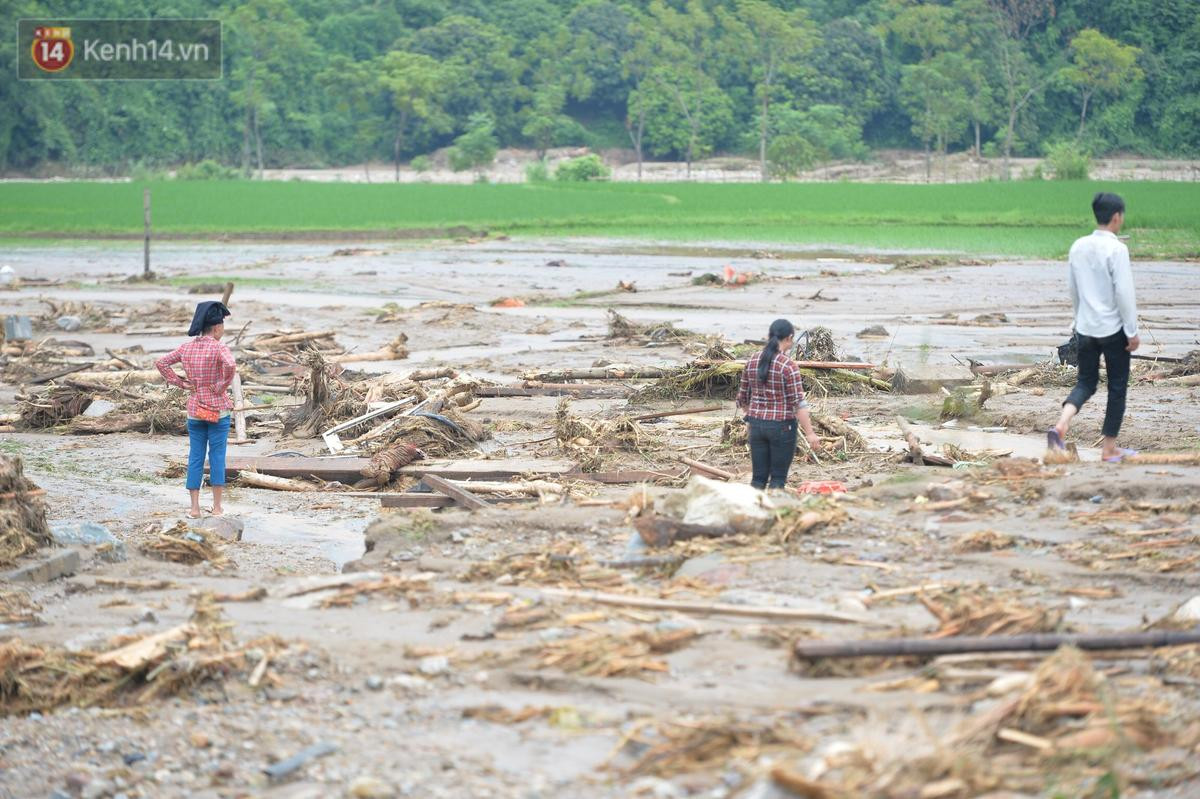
x=52 y=48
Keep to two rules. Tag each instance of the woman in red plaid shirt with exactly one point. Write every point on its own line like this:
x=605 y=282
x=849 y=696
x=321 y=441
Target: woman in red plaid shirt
x=209 y=369
x=773 y=399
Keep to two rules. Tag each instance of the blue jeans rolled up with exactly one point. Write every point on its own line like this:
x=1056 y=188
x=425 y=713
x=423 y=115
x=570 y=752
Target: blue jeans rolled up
x=211 y=437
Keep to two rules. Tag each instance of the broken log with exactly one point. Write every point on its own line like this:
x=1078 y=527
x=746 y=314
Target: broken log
x=145 y=650
x=681 y=412
x=107 y=380
x=48 y=376
x=256 y=480
x=455 y=492
x=914 y=445
x=706 y=470
x=616 y=372
x=1185 y=380
x=291 y=338
x=708 y=608
x=1036 y=642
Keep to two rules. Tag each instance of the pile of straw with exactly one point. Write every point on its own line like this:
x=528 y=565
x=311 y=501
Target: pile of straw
x=23 y=527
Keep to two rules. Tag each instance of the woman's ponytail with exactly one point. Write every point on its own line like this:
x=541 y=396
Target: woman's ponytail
x=780 y=329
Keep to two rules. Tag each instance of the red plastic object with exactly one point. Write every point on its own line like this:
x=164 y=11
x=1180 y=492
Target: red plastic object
x=821 y=487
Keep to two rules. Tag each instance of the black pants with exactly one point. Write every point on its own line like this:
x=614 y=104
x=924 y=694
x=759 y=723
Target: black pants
x=772 y=447
x=1116 y=362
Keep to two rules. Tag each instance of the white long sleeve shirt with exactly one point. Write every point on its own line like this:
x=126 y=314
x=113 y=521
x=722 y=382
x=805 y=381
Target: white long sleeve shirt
x=1101 y=283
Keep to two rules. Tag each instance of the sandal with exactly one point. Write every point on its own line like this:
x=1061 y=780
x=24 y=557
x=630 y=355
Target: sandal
x=1054 y=440
x=1122 y=454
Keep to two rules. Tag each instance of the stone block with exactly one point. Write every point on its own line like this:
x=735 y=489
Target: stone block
x=925 y=379
x=46 y=569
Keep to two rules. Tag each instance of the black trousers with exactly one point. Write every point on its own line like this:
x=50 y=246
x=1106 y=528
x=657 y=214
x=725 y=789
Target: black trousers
x=1116 y=362
x=772 y=447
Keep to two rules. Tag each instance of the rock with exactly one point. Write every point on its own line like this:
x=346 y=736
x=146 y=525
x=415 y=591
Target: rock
x=99 y=407
x=434 y=665
x=200 y=740
x=1188 y=612
x=374 y=683
x=76 y=779
x=97 y=789
x=409 y=683
x=874 y=331
x=133 y=757
x=144 y=616
x=46 y=569
x=69 y=323
x=90 y=534
x=434 y=563
x=229 y=528
x=925 y=379
x=370 y=788
x=945 y=492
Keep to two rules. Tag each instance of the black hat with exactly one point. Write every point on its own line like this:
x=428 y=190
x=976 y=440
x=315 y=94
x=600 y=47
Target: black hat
x=208 y=313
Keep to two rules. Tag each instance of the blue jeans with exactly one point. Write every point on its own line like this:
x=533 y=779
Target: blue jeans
x=211 y=436
x=772 y=447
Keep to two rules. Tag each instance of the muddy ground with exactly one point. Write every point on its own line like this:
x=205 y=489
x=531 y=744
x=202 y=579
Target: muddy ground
x=446 y=690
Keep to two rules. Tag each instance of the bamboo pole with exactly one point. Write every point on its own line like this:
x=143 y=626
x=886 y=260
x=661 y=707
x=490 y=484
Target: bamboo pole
x=708 y=608
x=681 y=412
x=914 y=445
x=292 y=338
x=1037 y=642
x=239 y=399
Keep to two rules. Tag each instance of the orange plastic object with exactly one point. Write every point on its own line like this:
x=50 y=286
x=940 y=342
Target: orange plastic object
x=508 y=302
x=821 y=487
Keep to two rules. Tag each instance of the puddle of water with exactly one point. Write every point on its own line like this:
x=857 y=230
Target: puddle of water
x=337 y=542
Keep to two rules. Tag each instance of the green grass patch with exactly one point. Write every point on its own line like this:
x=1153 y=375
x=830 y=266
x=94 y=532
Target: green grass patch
x=1021 y=218
x=184 y=281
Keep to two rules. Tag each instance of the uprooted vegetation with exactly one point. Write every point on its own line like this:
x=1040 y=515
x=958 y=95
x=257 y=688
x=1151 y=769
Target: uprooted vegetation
x=23 y=526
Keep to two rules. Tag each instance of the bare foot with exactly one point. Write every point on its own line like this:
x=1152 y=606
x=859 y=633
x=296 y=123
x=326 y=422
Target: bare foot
x=194 y=514
x=217 y=512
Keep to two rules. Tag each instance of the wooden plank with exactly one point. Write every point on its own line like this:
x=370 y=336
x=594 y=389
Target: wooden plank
x=458 y=493
x=489 y=392
x=497 y=469
x=341 y=469
x=414 y=501
x=623 y=477
x=47 y=377
x=709 y=608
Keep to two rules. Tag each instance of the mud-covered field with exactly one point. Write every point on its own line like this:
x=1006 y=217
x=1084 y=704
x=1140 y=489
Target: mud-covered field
x=524 y=650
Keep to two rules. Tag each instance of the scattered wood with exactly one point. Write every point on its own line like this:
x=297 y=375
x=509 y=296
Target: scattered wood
x=48 y=376
x=1038 y=642
x=455 y=491
x=914 y=445
x=134 y=585
x=255 y=480
x=711 y=608
x=681 y=412
x=249 y=595
x=615 y=372
x=146 y=650
x=706 y=470
x=274 y=342
x=802 y=786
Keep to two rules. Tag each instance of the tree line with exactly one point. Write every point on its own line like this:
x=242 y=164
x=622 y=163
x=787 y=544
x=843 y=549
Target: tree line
x=790 y=82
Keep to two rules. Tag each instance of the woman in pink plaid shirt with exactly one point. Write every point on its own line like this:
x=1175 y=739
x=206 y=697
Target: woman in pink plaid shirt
x=209 y=368
x=772 y=398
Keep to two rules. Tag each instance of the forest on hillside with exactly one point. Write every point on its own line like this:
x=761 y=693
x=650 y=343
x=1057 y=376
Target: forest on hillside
x=311 y=83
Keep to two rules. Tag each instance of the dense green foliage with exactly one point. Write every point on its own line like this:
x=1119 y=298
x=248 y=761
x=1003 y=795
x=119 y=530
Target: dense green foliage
x=330 y=82
x=1021 y=218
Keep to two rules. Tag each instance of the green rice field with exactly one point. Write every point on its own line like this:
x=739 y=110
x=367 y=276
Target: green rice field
x=1031 y=219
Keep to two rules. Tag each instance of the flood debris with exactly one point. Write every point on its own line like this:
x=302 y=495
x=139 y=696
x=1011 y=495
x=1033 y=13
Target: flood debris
x=691 y=745
x=23 y=525
x=183 y=543
x=613 y=655
x=137 y=670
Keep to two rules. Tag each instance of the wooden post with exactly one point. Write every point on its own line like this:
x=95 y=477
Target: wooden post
x=146 y=273
x=239 y=400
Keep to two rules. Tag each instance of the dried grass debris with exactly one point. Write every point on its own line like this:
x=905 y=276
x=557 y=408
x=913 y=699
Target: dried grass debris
x=591 y=441
x=969 y=610
x=687 y=746
x=41 y=678
x=615 y=655
x=23 y=525
x=16 y=608
x=52 y=407
x=189 y=545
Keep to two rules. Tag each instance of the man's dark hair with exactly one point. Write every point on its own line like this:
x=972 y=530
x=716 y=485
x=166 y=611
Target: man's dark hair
x=1105 y=204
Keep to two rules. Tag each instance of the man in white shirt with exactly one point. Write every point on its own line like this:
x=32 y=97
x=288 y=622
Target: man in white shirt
x=1101 y=284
